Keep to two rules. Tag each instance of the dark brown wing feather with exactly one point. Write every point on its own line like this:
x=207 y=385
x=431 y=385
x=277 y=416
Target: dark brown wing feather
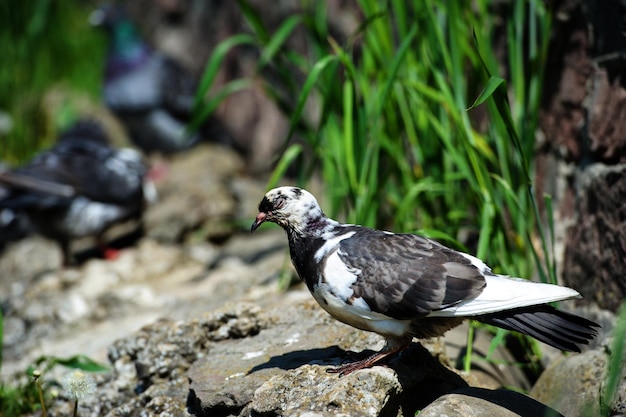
x=406 y=276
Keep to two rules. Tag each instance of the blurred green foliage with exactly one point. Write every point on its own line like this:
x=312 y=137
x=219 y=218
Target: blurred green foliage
x=43 y=43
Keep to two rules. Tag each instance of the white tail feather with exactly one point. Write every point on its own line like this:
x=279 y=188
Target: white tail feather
x=503 y=293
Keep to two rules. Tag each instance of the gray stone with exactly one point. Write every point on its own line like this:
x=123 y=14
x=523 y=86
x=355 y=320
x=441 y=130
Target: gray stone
x=573 y=385
x=479 y=402
x=309 y=388
x=194 y=197
x=282 y=371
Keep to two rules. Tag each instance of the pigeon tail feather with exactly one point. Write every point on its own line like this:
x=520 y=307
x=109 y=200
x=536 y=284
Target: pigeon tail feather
x=557 y=328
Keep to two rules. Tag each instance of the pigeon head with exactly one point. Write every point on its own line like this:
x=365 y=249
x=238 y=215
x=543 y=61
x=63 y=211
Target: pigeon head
x=85 y=129
x=107 y=16
x=127 y=50
x=292 y=208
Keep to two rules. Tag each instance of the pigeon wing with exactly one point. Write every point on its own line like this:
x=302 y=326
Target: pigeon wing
x=178 y=87
x=406 y=276
x=138 y=90
x=83 y=167
x=106 y=176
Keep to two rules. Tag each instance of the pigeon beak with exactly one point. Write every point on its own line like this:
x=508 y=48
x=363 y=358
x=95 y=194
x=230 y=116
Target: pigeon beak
x=260 y=219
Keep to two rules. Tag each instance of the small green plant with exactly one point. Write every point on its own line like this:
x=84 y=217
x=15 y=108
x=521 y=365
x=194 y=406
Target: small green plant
x=615 y=365
x=39 y=388
x=78 y=385
x=32 y=391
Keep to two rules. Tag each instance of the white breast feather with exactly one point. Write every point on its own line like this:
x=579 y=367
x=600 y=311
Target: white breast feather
x=330 y=245
x=88 y=217
x=333 y=293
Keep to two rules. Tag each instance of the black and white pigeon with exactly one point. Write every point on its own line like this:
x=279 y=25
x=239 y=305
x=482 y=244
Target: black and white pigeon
x=80 y=187
x=403 y=285
x=151 y=93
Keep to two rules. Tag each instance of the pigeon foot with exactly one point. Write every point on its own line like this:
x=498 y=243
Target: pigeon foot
x=389 y=350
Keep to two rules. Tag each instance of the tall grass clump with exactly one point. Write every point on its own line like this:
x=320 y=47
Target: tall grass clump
x=424 y=120
x=419 y=127
x=43 y=43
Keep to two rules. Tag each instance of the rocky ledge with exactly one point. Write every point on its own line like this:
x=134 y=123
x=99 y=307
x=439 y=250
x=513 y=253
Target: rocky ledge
x=191 y=320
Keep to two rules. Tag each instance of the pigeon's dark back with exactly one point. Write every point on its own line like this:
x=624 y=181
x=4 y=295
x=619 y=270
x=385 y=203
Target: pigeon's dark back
x=81 y=163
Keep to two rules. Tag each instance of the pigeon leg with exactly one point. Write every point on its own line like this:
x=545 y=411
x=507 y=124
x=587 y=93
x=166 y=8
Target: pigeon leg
x=391 y=348
x=66 y=255
x=105 y=250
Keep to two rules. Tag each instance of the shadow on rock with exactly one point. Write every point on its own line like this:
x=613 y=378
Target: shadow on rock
x=476 y=402
x=295 y=359
x=423 y=379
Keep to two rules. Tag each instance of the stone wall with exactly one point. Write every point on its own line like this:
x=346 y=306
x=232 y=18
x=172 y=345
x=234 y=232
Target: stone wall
x=582 y=162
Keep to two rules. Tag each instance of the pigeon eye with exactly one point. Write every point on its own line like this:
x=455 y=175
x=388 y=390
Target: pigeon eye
x=279 y=202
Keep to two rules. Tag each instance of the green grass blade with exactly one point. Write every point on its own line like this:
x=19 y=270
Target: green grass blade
x=493 y=84
x=214 y=63
x=307 y=87
x=81 y=362
x=208 y=106
x=615 y=363
x=285 y=161
x=348 y=133
x=254 y=20
x=279 y=38
x=393 y=70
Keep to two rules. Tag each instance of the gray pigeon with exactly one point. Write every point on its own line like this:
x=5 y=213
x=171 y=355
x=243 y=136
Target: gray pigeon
x=151 y=93
x=80 y=187
x=403 y=285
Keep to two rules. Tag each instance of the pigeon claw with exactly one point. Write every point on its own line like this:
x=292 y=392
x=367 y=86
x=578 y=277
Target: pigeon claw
x=370 y=361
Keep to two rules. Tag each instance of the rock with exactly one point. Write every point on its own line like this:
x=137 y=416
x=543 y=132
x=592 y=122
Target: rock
x=43 y=255
x=606 y=103
x=195 y=197
x=480 y=402
x=148 y=375
x=164 y=406
x=573 y=385
x=282 y=371
x=166 y=349
x=596 y=243
x=567 y=73
x=309 y=388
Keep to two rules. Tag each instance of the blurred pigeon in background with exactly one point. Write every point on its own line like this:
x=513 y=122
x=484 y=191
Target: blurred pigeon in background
x=80 y=187
x=152 y=94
